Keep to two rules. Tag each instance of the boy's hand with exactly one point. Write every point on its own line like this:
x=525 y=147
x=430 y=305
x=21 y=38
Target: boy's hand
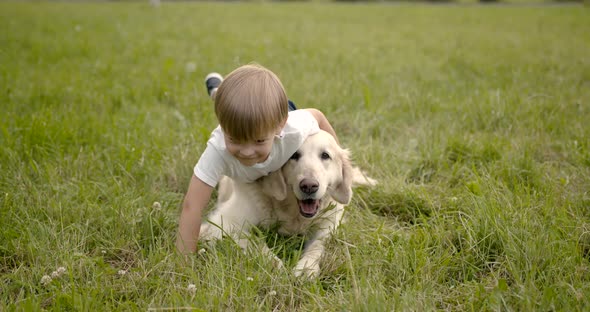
x=196 y=199
x=323 y=122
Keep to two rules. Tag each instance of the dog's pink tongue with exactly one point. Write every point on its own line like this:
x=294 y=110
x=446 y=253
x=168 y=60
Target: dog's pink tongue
x=308 y=207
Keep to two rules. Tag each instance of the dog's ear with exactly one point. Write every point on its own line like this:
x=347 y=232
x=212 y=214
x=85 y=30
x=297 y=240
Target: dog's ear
x=225 y=188
x=274 y=185
x=343 y=191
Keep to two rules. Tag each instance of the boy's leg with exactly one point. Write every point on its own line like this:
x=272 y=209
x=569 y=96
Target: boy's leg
x=212 y=82
x=292 y=106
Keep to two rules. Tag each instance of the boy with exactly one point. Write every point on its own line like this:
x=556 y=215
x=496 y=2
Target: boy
x=258 y=132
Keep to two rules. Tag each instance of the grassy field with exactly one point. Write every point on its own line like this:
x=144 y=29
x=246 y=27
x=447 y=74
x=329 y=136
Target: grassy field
x=475 y=120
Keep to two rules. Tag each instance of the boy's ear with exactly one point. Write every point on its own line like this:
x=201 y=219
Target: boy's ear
x=281 y=126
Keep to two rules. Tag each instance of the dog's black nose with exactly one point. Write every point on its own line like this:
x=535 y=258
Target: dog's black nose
x=309 y=186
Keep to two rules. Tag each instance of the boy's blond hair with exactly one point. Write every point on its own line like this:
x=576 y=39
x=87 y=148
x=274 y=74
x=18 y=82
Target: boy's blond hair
x=251 y=103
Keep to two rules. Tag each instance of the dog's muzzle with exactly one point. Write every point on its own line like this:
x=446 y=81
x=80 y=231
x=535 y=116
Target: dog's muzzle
x=309 y=207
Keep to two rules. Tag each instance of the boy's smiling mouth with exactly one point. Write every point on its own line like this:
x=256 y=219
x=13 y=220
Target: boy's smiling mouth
x=248 y=162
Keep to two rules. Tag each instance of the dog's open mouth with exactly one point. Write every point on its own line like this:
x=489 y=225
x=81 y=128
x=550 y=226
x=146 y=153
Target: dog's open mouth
x=309 y=207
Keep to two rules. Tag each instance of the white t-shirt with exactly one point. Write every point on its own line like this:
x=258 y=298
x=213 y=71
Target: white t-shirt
x=216 y=161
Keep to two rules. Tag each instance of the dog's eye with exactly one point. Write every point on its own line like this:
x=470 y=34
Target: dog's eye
x=296 y=156
x=325 y=156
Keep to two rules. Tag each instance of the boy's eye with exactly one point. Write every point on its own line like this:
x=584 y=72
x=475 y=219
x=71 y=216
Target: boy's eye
x=261 y=141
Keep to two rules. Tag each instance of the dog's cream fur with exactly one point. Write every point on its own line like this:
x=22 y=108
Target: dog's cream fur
x=307 y=196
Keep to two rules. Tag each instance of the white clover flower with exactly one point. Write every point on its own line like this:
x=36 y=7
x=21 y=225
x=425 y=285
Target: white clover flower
x=454 y=199
x=249 y=279
x=201 y=251
x=54 y=274
x=156 y=206
x=192 y=288
x=190 y=67
x=122 y=272
x=61 y=271
x=272 y=293
x=104 y=252
x=46 y=279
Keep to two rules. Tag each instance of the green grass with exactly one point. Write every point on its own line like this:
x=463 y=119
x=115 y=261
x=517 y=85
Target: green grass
x=475 y=120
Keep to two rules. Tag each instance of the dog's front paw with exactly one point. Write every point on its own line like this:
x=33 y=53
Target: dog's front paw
x=277 y=262
x=309 y=269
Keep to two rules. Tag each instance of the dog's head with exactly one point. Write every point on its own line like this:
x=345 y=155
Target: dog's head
x=319 y=171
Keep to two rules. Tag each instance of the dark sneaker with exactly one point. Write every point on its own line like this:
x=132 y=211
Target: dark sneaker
x=212 y=81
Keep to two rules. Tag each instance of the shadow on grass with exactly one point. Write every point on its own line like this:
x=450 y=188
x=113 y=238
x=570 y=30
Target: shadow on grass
x=404 y=206
x=456 y=157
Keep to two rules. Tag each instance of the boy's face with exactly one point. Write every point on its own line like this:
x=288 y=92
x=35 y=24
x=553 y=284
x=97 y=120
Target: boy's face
x=251 y=152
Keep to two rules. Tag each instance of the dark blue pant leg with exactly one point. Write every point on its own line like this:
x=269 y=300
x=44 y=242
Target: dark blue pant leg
x=292 y=106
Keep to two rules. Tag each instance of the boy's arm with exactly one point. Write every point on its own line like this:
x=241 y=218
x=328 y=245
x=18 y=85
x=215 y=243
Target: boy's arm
x=196 y=199
x=323 y=122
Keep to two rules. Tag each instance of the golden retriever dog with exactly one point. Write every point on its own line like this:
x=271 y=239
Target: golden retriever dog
x=306 y=196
